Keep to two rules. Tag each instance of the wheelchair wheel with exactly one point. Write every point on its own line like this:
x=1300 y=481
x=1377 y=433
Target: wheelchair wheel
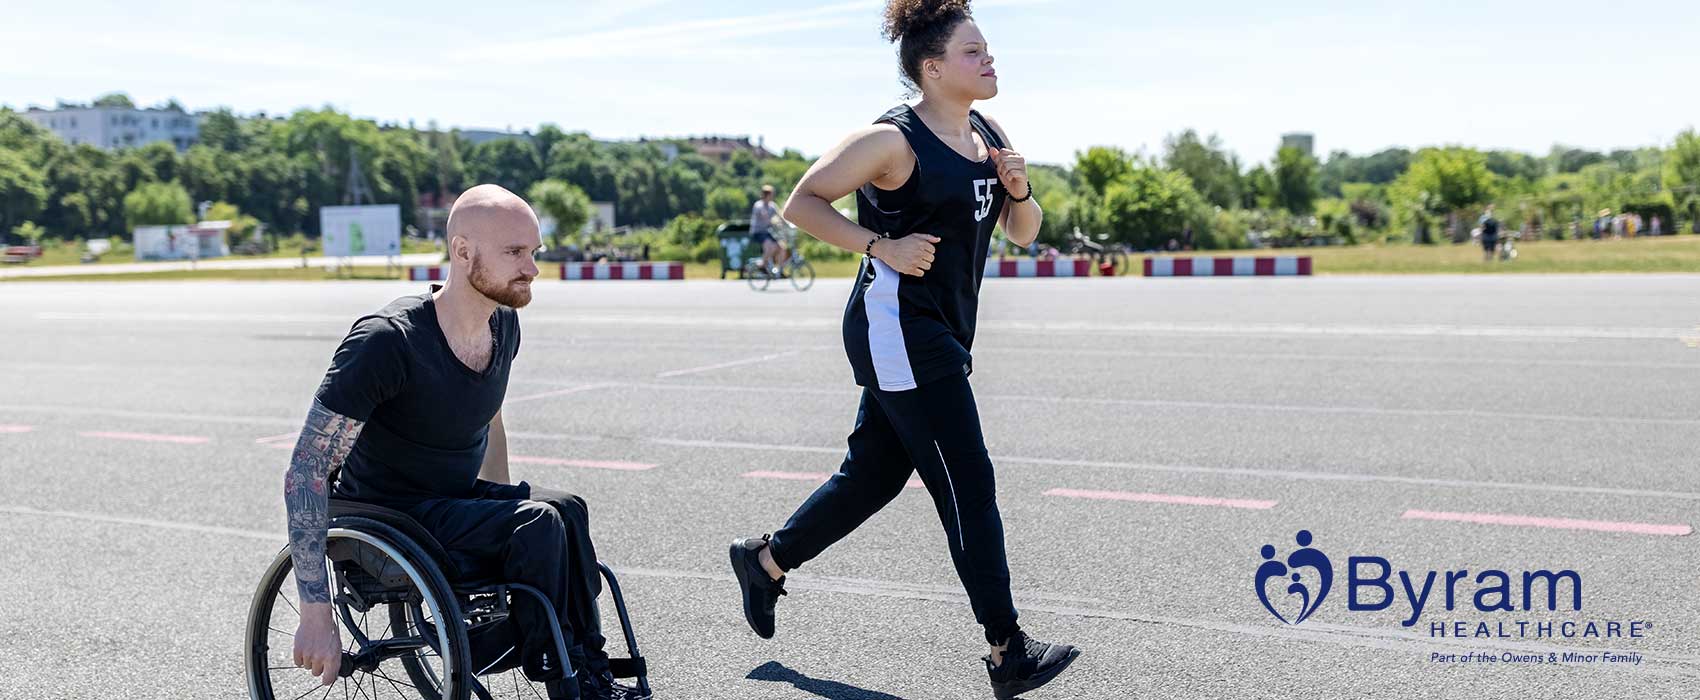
x=802 y=276
x=757 y=275
x=374 y=569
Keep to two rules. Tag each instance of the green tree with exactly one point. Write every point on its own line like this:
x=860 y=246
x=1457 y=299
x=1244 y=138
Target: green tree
x=114 y=99
x=1215 y=172
x=241 y=225
x=727 y=203
x=158 y=204
x=22 y=191
x=1099 y=166
x=1682 y=175
x=1260 y=190
x=1441 y=181
x=1149 y=206
x=511 y=163
x=1295 y=180
x=564 y=203
x=29 y=232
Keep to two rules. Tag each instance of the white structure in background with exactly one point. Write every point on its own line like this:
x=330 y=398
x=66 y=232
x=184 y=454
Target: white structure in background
x=119 y=127
x=601 y=220
x=207 y=239
x=368 y=229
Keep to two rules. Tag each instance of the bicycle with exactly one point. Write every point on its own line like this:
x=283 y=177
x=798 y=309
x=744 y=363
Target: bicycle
x=1109 y=258
x=795 y=268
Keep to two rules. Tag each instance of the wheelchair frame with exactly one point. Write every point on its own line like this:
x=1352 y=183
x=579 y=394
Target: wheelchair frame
x=374 y=563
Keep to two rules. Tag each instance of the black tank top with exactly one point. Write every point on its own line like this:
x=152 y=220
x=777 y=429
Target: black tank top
x=902 y=331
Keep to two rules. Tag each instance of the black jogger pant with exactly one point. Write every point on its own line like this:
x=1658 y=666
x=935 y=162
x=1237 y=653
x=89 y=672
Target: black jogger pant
x=933 y=429
x=537 y=537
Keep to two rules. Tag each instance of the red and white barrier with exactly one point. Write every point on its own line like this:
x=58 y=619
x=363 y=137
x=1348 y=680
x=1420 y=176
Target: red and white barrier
x=1039 y=267
x=19 y=253
x=623 y=271
x=427 y=273
x=1238 y=266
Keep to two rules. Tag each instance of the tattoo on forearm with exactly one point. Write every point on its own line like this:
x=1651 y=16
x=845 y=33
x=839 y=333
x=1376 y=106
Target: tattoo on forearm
x=325 y=442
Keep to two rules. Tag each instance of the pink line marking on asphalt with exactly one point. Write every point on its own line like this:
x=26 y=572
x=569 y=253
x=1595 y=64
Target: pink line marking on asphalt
x=16 y=428
x=586 y=463
x=811 y=476
x=1253 y=504
x=148 y=437
x=1554 y=523
x=274 y=439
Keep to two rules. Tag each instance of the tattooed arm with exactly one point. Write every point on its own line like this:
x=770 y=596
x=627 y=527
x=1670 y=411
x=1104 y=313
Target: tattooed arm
x=325 y=442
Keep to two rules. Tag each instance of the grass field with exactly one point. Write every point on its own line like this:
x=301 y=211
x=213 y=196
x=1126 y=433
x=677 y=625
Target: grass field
x=1663 y=254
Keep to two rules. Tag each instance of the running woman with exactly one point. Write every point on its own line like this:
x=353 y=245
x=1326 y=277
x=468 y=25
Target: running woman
x=931 y=182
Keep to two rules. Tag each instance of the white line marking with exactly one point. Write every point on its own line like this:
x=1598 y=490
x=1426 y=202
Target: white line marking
x=1226 y=471
x=558 y=392
x=724 y=365
x=277 y=537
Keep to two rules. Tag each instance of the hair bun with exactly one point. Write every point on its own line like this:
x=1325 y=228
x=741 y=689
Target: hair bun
x=904 y=17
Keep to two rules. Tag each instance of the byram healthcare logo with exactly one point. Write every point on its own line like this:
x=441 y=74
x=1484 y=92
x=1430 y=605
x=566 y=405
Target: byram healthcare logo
x=1310 y=591
x=1294 y=587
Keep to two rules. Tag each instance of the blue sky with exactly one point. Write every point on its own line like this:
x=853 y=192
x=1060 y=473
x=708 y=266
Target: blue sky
x=1074 y=73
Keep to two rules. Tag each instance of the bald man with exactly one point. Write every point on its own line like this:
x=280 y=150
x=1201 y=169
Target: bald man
x=409 y=417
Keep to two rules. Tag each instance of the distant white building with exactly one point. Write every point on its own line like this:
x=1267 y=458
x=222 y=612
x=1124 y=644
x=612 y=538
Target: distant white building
x=119 y=127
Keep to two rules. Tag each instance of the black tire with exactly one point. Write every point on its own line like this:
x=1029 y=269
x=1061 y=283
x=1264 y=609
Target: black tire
x=802 y=276
x=262 y=660
x=757 y=276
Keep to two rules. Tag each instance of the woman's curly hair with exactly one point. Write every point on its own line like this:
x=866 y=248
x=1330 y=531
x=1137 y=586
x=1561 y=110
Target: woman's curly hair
x=921 y=29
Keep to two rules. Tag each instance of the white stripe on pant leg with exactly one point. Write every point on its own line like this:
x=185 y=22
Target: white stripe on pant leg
x=961 y=539
x=885 y=331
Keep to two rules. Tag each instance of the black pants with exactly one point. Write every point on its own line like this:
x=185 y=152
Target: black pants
x=537 y=537
x=934 y=430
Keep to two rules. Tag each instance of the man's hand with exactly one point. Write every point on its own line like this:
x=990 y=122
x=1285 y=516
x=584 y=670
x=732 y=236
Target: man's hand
x=909 y=255
x=318 y=647
x=1012 y=171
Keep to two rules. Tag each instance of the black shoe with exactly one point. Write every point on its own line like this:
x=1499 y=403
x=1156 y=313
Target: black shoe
x=760 y=590
x=563 y=689
x=1027 y=664
x=602 y=686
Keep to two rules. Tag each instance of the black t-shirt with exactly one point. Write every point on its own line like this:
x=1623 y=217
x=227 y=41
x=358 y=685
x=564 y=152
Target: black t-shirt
x=427 y=414
x=902 y=331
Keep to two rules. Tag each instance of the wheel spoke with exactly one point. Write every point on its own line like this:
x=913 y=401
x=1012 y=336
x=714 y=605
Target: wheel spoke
x=309 y=692
x=392 y=682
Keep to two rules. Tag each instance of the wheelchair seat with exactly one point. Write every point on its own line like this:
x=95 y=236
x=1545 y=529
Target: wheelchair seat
x=406 y=524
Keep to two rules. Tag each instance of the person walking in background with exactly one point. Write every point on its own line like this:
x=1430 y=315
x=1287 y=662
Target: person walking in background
x=1490 y=234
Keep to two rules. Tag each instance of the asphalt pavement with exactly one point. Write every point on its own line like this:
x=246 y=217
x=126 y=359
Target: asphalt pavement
x=1150 y=437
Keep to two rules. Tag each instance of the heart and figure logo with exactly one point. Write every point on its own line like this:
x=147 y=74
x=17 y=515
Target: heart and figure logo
x=1310 y=588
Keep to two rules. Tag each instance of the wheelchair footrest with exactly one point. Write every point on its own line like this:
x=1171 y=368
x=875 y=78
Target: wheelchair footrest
x=628 y=668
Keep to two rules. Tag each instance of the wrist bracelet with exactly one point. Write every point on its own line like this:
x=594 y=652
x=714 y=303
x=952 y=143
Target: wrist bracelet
x=1024 y=197
x=869 y=250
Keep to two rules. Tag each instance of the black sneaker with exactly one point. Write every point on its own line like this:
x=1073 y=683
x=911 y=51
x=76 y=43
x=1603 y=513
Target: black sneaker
x=1027 y=664
x=760 y=590
x=602 y=686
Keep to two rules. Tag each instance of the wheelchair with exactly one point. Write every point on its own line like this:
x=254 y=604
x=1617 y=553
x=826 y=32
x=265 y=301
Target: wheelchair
x=412 y=625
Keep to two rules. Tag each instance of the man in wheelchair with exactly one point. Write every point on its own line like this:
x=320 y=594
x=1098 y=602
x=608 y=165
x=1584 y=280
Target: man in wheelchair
x=408 y=418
